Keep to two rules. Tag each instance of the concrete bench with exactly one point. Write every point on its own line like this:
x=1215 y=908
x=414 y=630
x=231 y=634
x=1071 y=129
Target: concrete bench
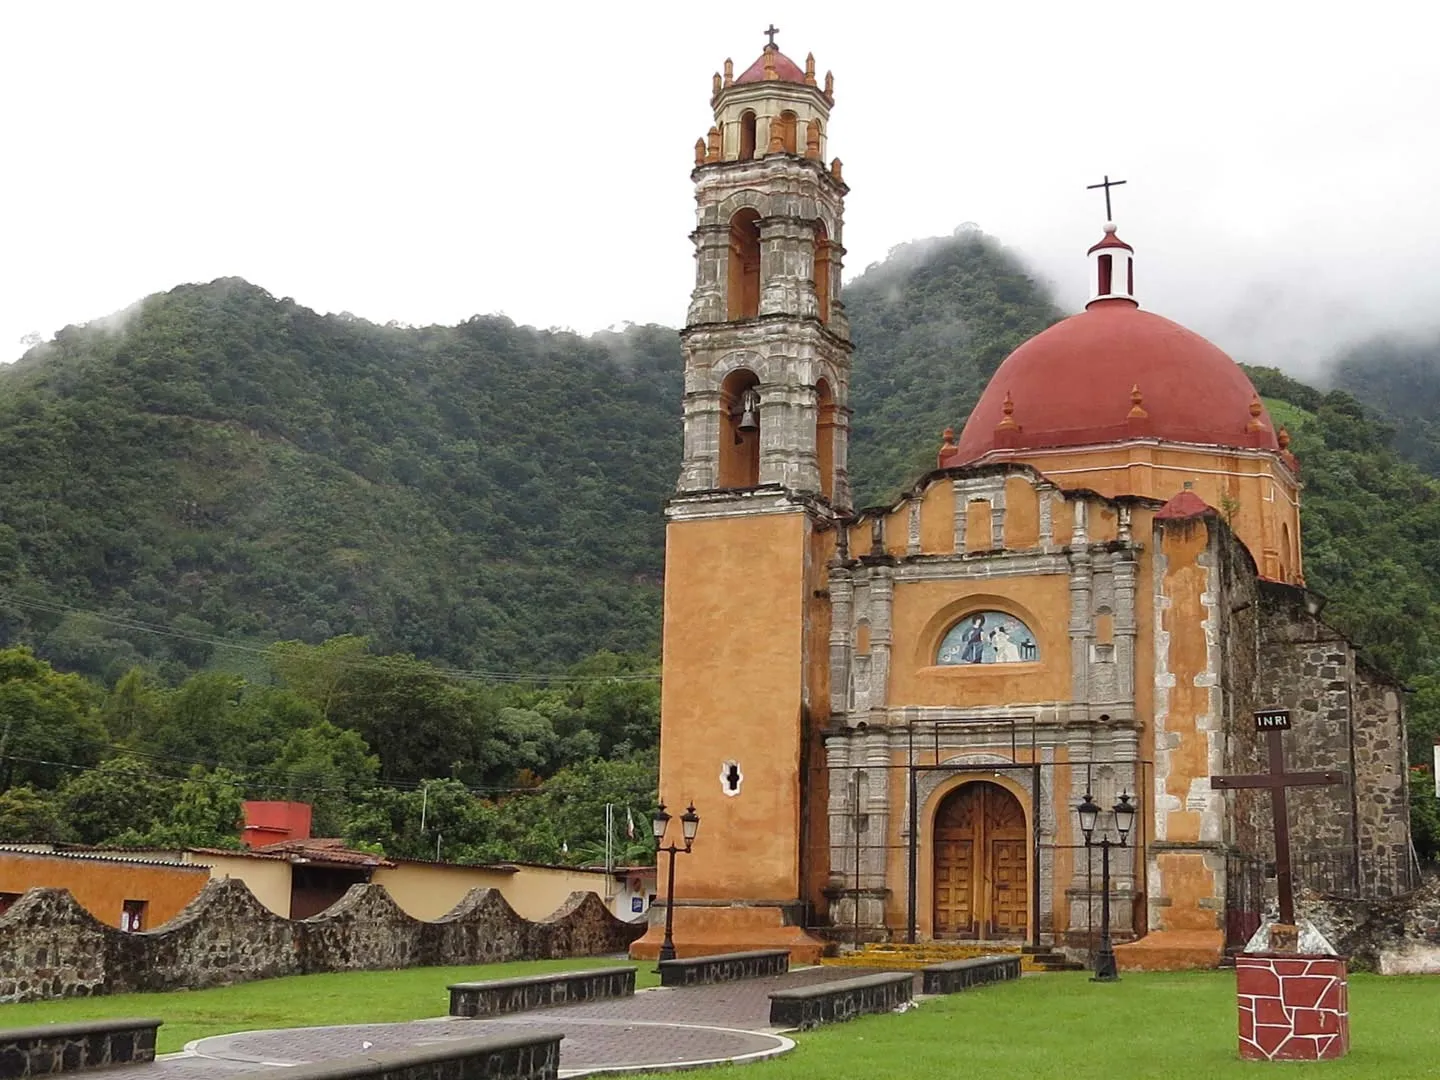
x=830 y=1003
x=88 y=1044
x=495 y=1057
x=955 y=975
x=724 y=967
x=497 y=997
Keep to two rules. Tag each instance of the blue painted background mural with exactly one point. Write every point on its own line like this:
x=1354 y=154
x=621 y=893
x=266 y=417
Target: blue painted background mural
x=988 y=637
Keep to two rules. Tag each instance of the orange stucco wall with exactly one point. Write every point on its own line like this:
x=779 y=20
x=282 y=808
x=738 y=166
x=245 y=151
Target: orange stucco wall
x=1190 y=889
x=735 y=637
x=1186 y=582
x=937 y=519
x=103 y=885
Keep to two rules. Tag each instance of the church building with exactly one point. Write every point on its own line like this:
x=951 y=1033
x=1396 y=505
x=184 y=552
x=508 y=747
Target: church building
x=887 y=717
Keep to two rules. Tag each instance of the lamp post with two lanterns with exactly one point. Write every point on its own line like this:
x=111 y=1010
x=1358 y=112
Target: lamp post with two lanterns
x=689 y=825
x=1089 y=814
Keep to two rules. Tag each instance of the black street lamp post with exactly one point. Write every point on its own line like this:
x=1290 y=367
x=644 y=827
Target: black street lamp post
x=689 y=825
x=1089 y=813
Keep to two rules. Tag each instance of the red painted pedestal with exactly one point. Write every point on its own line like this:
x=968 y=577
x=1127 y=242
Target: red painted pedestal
x=1292 y=1007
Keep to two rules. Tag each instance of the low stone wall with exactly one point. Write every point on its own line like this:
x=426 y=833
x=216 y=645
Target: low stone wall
x=497 y=997
x=1394 y=935
x=51 y=947
x=724 y=967
x=515 y=1057
x=831 y=1003
x=955 y=975
x=92 y=1044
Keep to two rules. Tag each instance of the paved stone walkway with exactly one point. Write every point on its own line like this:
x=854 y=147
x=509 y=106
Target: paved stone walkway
x=655 y=1027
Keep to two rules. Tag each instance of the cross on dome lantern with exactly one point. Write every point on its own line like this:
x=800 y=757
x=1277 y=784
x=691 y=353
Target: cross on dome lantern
x=1112 y=261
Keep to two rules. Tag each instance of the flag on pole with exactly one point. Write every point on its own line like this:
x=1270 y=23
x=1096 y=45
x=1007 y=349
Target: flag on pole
x=629 y=824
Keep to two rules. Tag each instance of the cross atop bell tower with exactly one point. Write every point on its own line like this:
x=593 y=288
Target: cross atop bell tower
x=767 y=344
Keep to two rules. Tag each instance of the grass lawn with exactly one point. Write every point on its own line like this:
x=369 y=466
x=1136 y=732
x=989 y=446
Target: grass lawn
x=1144 y=1027
x=351 y=997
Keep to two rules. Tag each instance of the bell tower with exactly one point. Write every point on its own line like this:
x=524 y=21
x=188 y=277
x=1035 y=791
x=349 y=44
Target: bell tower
x=766 y=342
x=752 y=523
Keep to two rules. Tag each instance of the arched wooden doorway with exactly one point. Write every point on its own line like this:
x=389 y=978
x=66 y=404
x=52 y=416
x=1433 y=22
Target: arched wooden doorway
x=981 y=884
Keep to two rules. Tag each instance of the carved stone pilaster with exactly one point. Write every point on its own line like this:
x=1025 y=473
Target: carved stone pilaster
x=882 y=595
x=842 y=638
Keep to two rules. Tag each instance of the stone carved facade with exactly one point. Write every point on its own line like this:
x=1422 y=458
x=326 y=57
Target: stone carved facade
x=51 y=947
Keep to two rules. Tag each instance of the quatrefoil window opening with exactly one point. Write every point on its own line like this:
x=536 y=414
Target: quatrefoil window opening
x=731 y=778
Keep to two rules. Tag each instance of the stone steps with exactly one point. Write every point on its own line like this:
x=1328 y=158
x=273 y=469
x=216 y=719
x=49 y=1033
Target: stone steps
x=906 y=957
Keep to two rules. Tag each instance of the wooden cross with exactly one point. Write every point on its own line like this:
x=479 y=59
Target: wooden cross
x=770 y=33
x=1107 y=185
x=1274 y=722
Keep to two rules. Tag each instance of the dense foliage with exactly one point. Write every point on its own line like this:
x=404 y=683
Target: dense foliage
x=276 y=554
x=228 y=465
x=142 y=763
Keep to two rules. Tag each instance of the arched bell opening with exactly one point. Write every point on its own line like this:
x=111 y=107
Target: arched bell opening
x=821 y=275
x=788 y=132
x=743 y=273
x=740 y=430
x=825 y=437
x=747 y=136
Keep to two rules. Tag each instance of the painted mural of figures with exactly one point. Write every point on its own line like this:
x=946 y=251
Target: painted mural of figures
x=974 y=641
x=1006 y=651
x=988 y=637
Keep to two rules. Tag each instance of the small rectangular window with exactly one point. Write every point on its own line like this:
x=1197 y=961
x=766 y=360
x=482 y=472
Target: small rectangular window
x=1105 y=270
x=132 y=915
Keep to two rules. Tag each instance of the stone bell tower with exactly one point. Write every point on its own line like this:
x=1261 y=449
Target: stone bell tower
x=750 y=528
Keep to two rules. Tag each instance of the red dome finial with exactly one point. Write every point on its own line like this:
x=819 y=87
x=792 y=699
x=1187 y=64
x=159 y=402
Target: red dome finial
x=1007 y=415
x=1137 y=404
x=1256 y=409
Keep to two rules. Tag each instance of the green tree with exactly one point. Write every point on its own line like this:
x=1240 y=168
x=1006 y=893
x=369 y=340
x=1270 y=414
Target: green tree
x=134 y=707
x=568 y=812
x=208 y=811
x=48 y=722
x=122 y=795
x=321 y=674
x=28 y=816
x=326 y=767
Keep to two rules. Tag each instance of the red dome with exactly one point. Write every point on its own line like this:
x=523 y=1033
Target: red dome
x=786 y=70
x=1109 y=374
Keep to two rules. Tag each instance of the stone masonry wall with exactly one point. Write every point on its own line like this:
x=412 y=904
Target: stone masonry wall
x=1351 y=838
x=51 y=947
x=1392 y=935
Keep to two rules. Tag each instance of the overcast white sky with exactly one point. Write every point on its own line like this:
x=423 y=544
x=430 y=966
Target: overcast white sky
x=428 y=161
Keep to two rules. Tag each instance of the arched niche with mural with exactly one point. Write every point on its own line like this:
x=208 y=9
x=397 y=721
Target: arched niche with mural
x=988 y=637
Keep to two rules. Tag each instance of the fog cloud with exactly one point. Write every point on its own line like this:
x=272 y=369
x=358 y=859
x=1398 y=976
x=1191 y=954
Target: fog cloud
x=427 y=162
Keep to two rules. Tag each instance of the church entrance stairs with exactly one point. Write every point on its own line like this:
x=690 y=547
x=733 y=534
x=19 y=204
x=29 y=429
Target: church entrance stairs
x=894 y=956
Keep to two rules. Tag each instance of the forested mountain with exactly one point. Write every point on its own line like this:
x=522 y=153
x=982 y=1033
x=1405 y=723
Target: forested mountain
x=234 y=466
x=217 y=471
x=1400 y=380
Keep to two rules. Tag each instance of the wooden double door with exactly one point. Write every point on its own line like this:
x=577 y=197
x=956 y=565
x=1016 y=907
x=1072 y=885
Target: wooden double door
x=981 y=883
